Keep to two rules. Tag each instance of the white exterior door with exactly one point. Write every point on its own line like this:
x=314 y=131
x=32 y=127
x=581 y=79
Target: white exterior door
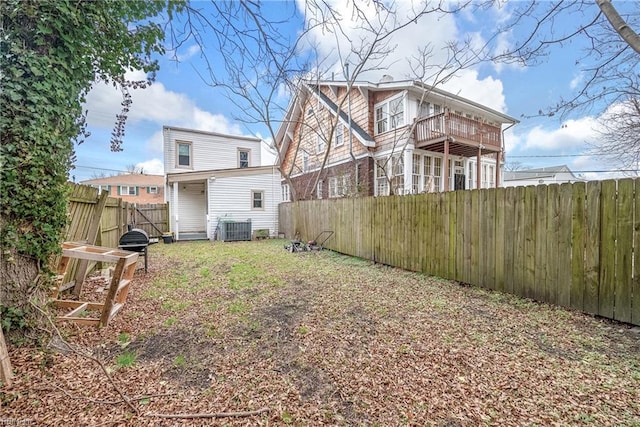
x=192 y=210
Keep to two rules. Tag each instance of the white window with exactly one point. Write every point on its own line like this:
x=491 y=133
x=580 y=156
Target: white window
x=257 y=200
x=305 y=161
x=382 y=182
x=492 y=176
x=333 y=186
x=389 y=114
x=183 y=151
x=382 y=118
x=339 y=186
x=319 y=189
x=485 y=182
x=152 y=190
x=344 y=185
x=415 y=184
x=397 y=171
x=427 y=176
x=396 y=111
x=338 y=138
x=243 y=157
x=102 y=187
x=320 y=144
x=437 y=173
x=424 y=109
x=471 y=176
x=286 y=193
x=128 y=190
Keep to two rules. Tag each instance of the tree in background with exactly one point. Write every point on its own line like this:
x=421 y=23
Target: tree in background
x=51 y=54
x=608 y=79
x=264 y=65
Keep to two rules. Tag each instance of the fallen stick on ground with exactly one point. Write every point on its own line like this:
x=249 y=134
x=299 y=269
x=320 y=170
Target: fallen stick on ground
x=213 y=415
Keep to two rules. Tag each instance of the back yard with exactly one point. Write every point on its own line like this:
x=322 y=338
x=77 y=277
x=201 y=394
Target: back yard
x=321 y=338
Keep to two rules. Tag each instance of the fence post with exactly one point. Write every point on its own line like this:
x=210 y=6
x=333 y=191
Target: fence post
x=92 y=234
x=6 y=372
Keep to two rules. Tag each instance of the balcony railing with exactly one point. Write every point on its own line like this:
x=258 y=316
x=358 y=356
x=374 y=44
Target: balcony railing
x=462 y=128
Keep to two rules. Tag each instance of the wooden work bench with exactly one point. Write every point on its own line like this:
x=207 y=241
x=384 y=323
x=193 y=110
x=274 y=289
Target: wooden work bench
x=125 y=267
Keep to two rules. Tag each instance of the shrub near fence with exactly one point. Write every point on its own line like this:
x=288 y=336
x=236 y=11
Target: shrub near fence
x=572 y=244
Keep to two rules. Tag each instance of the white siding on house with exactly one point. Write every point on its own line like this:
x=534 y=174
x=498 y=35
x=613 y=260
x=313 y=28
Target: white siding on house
x=208 y=150
x=230 y=198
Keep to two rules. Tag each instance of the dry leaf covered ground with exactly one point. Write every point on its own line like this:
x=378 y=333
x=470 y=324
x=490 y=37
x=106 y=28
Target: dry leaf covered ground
x=323 y=339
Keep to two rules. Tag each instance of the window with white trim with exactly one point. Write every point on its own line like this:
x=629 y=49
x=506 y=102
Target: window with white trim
x=257 y=199
x=492 y=176
x=344 y=185
x=427 y=177
x=286 y=193
x=397 y=171
x=128 y=190
x=243 y=157
x=389 y=114
x=319 y=189
x=339 y=186
x=152 y=190
x=338 y=138
x=485 y=181
x=415 y=184
x=471 y=175
x=305 y=161
x=382 y=182
x=102 y=187
x=333 y=186
x=437 y=173
x=183 y=154
x=320 y=144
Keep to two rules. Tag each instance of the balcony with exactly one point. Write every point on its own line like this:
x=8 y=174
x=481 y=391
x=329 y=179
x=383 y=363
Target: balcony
x=466 y=136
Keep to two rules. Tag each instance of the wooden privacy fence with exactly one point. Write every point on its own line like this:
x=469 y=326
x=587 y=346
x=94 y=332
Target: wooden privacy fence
x=98 y=219
x=574 y=245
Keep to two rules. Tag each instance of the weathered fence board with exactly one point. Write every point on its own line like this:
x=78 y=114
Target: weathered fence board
x=624 y=251
x=575 y=245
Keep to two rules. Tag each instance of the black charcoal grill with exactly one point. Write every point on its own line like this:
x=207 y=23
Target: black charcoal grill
x=135 y=240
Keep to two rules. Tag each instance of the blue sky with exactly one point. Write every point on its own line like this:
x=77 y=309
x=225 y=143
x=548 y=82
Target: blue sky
x=179 y=97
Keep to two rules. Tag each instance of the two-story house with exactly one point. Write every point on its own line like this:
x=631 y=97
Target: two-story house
x=213 y=178
x=131 y=187
x=391 y=137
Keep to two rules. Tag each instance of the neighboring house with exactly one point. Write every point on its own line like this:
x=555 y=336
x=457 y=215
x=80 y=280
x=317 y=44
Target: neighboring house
x=399 y=137
x=212 y=177
x=133 y=187
x=546 y=175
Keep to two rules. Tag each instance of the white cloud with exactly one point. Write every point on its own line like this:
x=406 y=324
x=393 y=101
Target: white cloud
x=577 y=80
x=487 y=91
x=334 y=47
x=154 y=104
x=571 y=135
x=190 y=53
x=151 y=167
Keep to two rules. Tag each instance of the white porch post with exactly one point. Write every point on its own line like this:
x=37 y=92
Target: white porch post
x=408 y=170
x=176 y=228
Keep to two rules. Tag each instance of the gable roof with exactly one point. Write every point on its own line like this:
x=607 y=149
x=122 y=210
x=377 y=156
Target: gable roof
x=537 y=173
x=140 y=179
x=417 y=86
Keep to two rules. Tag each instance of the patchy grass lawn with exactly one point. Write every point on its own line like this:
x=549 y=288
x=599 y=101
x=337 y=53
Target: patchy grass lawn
x=321 y=338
